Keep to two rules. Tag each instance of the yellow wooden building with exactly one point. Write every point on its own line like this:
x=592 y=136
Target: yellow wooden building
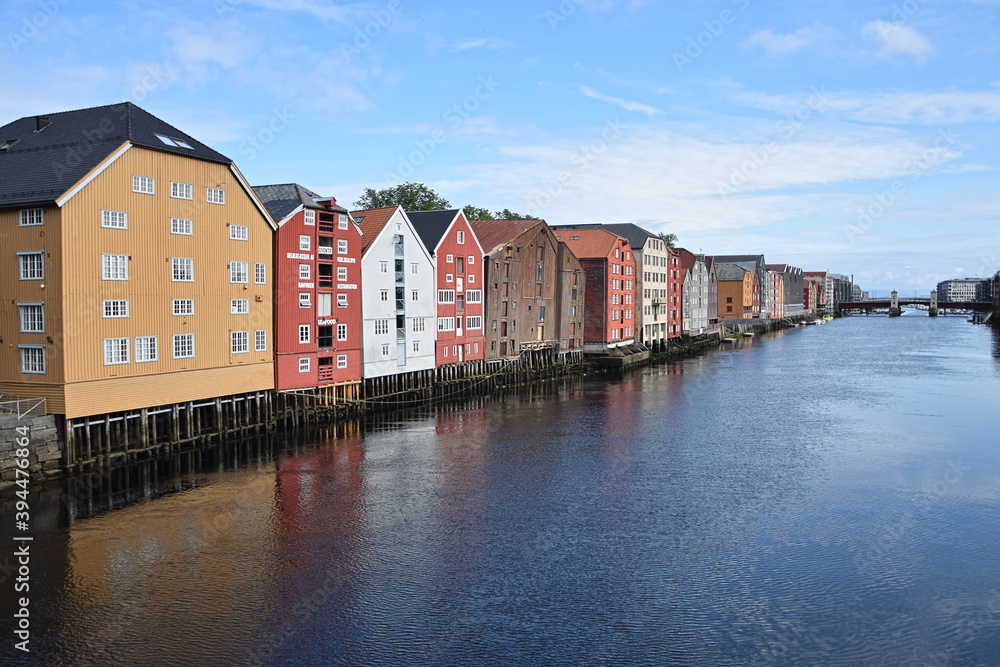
x=136 y=265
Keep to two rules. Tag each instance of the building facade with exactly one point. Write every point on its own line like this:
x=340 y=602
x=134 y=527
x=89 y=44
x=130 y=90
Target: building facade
x=792 y=288
x=459 y=268
x=756 y=265
x=317 y=289
x=776 y=285
x=398 y=296
x=695 y=291
x=736 y=291
x=139 y=265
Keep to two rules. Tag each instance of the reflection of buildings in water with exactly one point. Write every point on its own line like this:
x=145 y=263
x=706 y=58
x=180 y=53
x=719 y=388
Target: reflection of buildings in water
x=996 y=341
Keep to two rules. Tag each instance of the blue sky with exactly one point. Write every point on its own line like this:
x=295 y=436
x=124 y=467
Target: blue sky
x=857 y=137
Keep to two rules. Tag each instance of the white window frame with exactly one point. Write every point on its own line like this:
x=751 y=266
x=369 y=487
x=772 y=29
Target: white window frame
x=26 y=265
x=446 y=324
x=383 y=267
x=449 y=278
x=460 y=237
x=341 y=300
x=473 y=296
x=383 y=295
x=184 y=343
x=305 y=334
x=30 y=359
x=239 y=342
x=305 y=242
x=114 y=308
x=31 y=314
x=381 y=327
x=449 y=258
x=116 y=351
x=342 y=274
x=304 y=364
x=413 y=268
x=182 y=226
x=341 y=361
x=179 y=307
x=473 y=321
x=341 y=332
x=324 y=304
x=385 y=349
x=309 y=217
x=260 y=340
x=419 y=324
x=260 y=273
x=114 y=219
x=114 y=267
x=182 y=269
x=305 y=300
x=341 y=246
x=446 y=296
x=305 y=271
x=239 y=232
x=341 y=221
x=215 y=195
x=239 y=306
x=145 y=185
x=416 y=346
x=180 y=190
x=30 y=217
x=146 y=349
x=238 y=272
x=414 y=295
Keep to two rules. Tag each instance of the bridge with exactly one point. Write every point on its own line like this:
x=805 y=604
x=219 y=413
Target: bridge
x=895 y=302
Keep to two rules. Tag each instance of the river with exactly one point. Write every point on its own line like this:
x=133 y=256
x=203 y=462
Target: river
x=827 y=495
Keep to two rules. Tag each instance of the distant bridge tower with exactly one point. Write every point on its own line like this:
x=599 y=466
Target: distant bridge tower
x=894 y=310
x=933 y=311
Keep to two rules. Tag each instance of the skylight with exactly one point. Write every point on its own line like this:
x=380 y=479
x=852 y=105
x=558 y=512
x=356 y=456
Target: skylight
x=173 y=141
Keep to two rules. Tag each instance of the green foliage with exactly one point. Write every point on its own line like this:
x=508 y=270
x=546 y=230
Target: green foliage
x=507 y=214
x=411 y=196
x=669 y=240
x=476 y=213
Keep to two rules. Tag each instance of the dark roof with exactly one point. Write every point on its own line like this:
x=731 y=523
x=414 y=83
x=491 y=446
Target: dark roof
x=47 y=155
x=431 y=225
x=742 y=260
x=636 y=235
x=730 y=271
x=281 y=200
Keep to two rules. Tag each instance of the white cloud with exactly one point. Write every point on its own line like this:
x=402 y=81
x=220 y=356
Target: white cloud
x=897 y=39
x=628 y=105
x=489 y=43
x=780 y=45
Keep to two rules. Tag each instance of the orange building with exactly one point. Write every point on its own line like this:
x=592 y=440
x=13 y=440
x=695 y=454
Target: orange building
x=137 y=265
x=736 y=289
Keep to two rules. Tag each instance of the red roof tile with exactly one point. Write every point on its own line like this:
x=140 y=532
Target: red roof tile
x=371 y=223
x=589 y=243
x=492 y=234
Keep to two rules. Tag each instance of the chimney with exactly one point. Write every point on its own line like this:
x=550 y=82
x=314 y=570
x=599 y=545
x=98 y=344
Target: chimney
x=41 y=122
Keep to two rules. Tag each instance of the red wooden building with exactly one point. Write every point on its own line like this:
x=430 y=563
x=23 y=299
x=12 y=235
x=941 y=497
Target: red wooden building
x=675 y=294
x=609 y=303
x=458 y=259
x=317 y=291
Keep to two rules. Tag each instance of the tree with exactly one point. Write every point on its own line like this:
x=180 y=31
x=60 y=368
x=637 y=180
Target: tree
x=507 y=214
x=411 y=196
x=476 y=213
x=669 y=240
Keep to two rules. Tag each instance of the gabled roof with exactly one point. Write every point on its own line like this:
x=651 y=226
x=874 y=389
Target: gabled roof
x=47 y=155
x=432 y=225
x=636 y=235
x=372 y=221
x=494 y=234
x=725 y=271
x=281 y=200
x=589 y=243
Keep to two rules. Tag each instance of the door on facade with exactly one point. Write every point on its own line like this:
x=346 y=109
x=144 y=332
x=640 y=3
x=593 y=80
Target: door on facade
x=541 y=332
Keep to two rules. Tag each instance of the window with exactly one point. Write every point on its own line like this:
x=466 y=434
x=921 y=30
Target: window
x=183 y=346
x=239 y=341
x=304 y=272
x=385 y=349
x=215 y=196
x=341 y=332
x=450 y=258
x=239 y=232
x=144 y=185
x=474 y=322
x=414 y=295
x=381 y=327
x=145 y=348
x=114 y=219
x=309 y=218
x=413 y=268
x=260 y=340
x=115 y=351
x=461 y=236
x=419 y=325
x=182 y=226
x=474 y=296
x=324 y=304
x=303 y=364
x=305 y=242
x=32 y=358
x=446 y=296
x=31 y=265
x=260 y=273
x=30 y=217
x=449 y=278
x=416 y=346
x=239 y=306
x=183 y=307
x=32 y=316
x=383 y=295
x=181 y=190
x=341 y=300
x=116 y=308
x=341 y=361
x=341 y=246
x=446 y=324
x=238 y=272
x=445 y=351
x=342 y=221
x=541 y=313
x=181 y=269
x=173 y=141
x=304 y=301
x=114 y=267
x=304 y=335
x=383 y=267
x=342 y=274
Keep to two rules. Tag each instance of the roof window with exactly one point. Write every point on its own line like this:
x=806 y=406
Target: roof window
x=173 y=141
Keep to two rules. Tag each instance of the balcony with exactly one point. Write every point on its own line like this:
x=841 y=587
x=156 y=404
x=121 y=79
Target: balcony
x=325 y=373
